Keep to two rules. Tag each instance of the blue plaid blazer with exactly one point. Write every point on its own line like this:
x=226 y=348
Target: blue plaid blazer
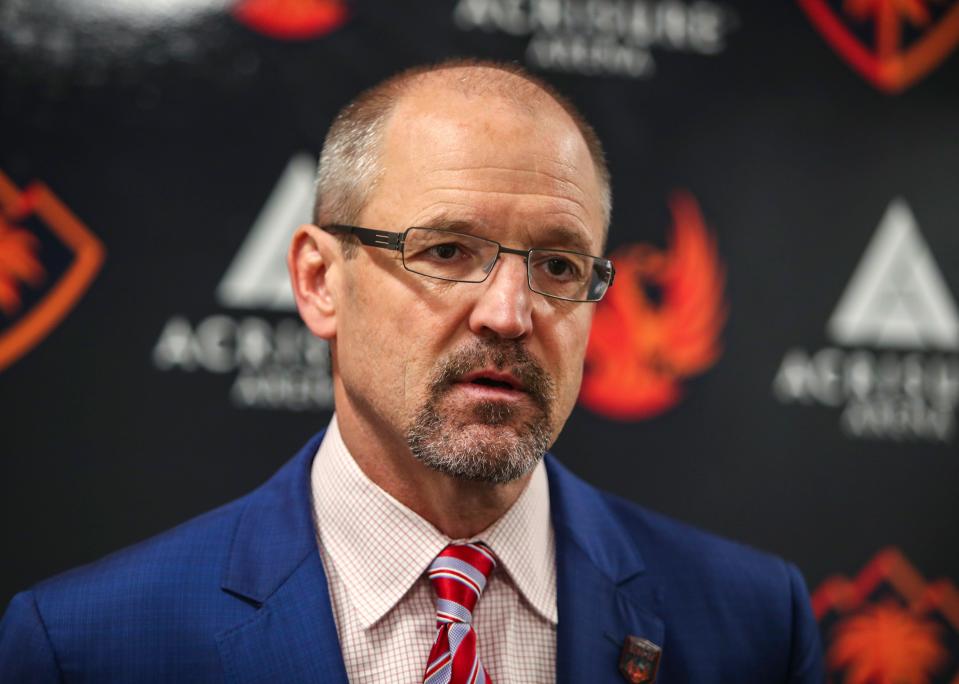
x=239 y=595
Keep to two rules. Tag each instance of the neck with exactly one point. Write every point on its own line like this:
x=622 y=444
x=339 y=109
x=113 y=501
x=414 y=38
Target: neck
x=458 y=508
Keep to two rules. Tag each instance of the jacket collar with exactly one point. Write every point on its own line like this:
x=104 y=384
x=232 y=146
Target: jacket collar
x=582 y=515
x=274 y=563
x=275 y=532
x=603 y=592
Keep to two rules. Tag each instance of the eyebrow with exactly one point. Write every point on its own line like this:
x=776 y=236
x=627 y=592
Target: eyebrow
x=446 y=222
x=557 y=237
x=566 y=238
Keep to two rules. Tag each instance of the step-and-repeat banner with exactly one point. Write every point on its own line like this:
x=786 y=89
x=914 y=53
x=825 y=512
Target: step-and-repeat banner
x=778 y=362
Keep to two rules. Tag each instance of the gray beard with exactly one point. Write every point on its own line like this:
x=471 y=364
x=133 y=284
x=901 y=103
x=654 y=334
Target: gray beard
x=448 y=446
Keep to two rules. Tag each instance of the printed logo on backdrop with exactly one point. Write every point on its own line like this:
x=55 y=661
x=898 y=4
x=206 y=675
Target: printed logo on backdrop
x=255 y=335
x=659 y=324
x=48 y=259
x=894 y=371
x=890 y=43
x=292 y=19
x=889 y=625
x=603 y=37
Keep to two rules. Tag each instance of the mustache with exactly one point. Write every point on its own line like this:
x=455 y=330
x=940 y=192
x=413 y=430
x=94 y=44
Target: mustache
x=504 y=355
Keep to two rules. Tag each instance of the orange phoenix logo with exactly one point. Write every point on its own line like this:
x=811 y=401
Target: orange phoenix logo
x=292 y=19
x=891 y=43
x=889 y=625
x=47 y=261
x=659 y=323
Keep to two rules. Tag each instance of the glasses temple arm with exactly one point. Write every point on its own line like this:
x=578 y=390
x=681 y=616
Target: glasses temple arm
x=368 y=236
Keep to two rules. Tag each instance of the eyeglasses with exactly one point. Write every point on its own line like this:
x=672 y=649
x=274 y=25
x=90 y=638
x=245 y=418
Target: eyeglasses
x=462 y=258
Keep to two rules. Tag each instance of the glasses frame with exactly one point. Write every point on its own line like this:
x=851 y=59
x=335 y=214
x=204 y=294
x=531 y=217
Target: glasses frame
x=395 y=241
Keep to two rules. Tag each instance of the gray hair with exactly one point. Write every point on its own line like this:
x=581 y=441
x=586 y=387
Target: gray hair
x=350 y=168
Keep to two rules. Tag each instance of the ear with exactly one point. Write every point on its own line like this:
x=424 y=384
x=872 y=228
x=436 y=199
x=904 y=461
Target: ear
x=315 y=262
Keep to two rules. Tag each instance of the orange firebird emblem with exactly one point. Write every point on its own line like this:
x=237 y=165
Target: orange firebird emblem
x=891 y=43
x=889 y=625
x=48 y=258
x=642 y=346
x=292 y=19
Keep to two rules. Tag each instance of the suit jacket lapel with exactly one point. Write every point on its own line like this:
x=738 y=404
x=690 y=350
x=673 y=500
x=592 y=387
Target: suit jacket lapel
x=291 y=638
x=603 y=594
x=274 y=564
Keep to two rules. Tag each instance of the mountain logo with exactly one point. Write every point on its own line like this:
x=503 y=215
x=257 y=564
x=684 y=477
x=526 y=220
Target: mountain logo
x=889 y=624
x=897 y=297
x=890 y=43
x=894 y=368
x=659 y=324
x=292 y=19
x=255 y=334
x=257 y=277
x=48 y=259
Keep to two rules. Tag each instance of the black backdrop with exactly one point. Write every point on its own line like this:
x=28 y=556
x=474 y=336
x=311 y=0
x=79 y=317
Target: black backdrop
x=804 y=400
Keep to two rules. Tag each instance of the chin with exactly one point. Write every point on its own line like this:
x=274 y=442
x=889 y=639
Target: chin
x=491 y=444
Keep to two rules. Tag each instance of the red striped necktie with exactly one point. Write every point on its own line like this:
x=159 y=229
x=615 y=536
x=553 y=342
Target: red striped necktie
x=458 y=576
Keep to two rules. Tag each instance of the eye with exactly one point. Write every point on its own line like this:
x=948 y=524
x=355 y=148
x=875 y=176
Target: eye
x=445 y=251
x=561 y=268
x=558 y=267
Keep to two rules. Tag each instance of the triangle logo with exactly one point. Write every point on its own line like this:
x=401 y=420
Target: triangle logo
x=257 y=278
x=897 y=297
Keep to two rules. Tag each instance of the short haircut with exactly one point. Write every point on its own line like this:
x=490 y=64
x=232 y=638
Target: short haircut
x=350 y=167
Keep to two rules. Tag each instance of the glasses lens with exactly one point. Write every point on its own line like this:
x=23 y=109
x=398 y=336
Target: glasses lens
x=447 y=255
x=569 y=275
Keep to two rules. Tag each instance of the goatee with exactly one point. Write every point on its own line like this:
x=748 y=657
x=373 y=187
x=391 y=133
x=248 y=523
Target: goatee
x=445 y=442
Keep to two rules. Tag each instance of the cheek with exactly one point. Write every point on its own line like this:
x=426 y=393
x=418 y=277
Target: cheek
x=571 y=338
x=399 y=321
x=427 y=333
x=402 y=336
x=370 y=351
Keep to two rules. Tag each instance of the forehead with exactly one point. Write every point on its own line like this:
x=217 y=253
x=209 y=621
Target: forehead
x=487 y=161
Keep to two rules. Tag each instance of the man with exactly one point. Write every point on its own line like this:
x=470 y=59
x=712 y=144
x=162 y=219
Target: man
x=460 y=217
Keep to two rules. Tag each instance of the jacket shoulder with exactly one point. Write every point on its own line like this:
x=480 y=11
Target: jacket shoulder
x=152 y=607
x=670 y=545
x=727 y=608
x=152 y=611
x=185 y=554
x=656 y=542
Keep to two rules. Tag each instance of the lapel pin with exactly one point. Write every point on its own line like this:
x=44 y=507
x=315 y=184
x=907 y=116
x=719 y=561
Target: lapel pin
x=639 y=660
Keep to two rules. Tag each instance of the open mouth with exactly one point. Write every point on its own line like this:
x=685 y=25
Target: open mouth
x=494 y=380
x=489 y=382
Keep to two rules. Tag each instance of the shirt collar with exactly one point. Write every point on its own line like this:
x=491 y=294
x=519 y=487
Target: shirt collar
x=357 y=521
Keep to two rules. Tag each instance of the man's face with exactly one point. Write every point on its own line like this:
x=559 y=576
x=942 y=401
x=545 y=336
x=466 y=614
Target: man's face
x=476 y=378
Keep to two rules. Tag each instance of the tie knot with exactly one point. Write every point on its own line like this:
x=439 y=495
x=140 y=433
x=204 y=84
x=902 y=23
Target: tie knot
x=458 y=576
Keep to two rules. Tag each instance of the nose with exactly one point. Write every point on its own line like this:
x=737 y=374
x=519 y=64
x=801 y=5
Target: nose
x=505 y=304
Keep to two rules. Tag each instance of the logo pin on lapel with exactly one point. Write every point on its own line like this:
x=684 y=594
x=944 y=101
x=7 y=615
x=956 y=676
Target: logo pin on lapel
x=639 y=660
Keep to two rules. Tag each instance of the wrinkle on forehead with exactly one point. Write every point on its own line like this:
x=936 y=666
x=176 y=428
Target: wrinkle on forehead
x=479 y=187
x=553 y=205
x=445 y=112
x=531 y=169
x=563 y=181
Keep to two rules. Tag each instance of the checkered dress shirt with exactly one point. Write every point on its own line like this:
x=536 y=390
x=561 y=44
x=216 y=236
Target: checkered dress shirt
x=376 y=552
